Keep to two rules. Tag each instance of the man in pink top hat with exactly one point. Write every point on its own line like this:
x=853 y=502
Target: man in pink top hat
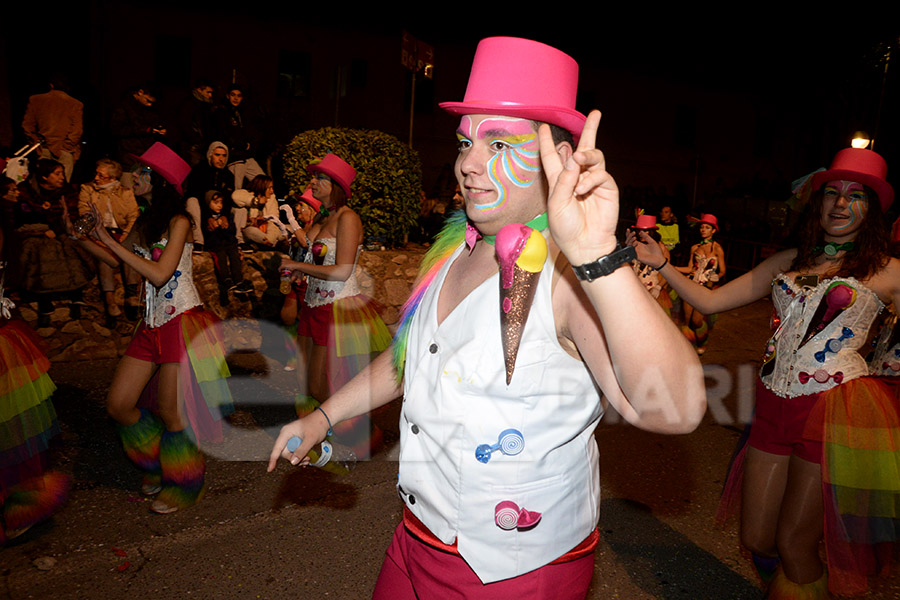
x=502 y=381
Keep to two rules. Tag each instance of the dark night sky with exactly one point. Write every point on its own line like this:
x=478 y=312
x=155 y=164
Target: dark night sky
x=811 y=70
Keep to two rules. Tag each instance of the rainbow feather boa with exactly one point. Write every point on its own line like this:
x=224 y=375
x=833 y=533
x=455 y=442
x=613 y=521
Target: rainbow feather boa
x=447 y=241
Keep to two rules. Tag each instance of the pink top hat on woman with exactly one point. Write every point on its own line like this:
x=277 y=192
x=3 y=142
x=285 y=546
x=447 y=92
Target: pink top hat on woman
x=862 y=166
x=645 y=222
x=708 y=219
x=164 y=161
x=337 y=168
x=521 y=78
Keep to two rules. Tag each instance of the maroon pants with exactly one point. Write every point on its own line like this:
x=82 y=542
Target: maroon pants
x=412 y=569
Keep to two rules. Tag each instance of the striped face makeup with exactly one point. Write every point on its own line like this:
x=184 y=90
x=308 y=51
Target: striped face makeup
x=844 y=207
x=507 y=150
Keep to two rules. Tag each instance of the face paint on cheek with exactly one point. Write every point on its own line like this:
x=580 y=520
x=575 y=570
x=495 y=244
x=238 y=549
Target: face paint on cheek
x=517 y=165
x=858 y=210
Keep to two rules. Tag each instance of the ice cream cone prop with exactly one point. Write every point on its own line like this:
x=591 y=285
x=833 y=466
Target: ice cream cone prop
x=521 y=252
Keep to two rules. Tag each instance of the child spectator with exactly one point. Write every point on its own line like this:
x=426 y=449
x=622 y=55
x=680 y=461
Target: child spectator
x=299 y=213
x=219 y=233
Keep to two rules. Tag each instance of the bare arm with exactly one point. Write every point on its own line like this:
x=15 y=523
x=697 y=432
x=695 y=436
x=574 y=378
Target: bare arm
x=745 y=289
x=349 y=235
x=156 y=272
x=644 y=365
x=374 y=386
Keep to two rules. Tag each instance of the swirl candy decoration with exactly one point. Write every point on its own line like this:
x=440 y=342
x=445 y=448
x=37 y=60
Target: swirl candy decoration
x=510 y=442
x=508 y=516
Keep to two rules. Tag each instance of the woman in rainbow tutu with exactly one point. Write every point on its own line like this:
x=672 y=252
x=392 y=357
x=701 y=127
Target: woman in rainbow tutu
x=823 y=455
x=339 y=330
x=28 y=492
x=169 y=389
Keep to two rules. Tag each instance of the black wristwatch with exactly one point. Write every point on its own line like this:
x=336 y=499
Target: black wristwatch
x=605 y=264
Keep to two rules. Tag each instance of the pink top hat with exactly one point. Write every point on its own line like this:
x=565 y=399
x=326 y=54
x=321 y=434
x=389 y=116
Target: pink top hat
x=862 y=166
x=521 y=78
x=645 y=222
x=307 y=198
x=164 y=161
x=337 y=168
x=709 y=220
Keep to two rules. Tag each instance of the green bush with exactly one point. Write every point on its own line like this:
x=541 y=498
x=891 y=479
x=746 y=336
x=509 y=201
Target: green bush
x=388 y=181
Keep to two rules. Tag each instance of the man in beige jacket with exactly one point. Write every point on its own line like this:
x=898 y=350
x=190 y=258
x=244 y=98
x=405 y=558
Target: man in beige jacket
x=53 y=120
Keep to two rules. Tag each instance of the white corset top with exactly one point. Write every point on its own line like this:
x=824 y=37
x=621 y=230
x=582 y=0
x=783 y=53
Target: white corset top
x=323 y=291
x=820 y=332
x=177 y=295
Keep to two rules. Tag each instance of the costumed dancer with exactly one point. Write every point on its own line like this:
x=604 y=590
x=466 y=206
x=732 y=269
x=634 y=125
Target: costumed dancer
x=176 y=359
x=650 y=277
x=503 y=347
x=707 y=268
x=28 y=493
x=339 y=329
x=822 y=458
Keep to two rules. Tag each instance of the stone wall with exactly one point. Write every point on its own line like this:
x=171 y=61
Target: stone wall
x=386 y=276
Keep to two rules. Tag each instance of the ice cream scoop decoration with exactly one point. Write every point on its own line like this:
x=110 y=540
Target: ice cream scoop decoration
x=319 y=250
x=521 y=252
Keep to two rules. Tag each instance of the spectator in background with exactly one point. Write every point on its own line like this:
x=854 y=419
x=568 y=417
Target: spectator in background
x=49 y=263
x=206 y=176
x=195 y=122
x=136 y=125
x=234 y=126
x=256 y=214
x=219 y=232
x=53 y=120
x=668 y=227
x=118 y=211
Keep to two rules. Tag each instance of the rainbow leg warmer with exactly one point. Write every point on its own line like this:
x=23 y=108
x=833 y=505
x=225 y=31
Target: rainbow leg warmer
x=183 y=469
x=34 y=500
x=701 y=334
x=141 y=443
x=783 y=588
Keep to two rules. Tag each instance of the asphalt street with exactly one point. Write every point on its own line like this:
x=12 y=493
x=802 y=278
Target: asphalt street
x=303 y=533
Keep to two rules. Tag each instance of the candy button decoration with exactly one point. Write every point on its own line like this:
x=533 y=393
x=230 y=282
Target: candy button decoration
x=820 y=376
x=508 y=516
x=510 y=442
x=834 y=345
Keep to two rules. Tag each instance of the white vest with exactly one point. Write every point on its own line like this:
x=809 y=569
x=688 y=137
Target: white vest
x=456 y=398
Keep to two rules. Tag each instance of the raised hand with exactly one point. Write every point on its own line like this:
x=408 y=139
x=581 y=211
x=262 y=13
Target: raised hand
x=648 y=251
x=583 y=207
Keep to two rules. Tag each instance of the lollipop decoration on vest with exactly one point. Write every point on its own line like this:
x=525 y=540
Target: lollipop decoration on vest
x=510 y=442
x=521 y=252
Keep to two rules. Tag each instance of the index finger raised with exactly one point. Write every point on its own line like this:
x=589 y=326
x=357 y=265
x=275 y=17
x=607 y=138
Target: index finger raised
x=550 y=160
x=588 y=140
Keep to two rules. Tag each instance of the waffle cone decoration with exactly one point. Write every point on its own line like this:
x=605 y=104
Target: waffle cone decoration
x=521 y=252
